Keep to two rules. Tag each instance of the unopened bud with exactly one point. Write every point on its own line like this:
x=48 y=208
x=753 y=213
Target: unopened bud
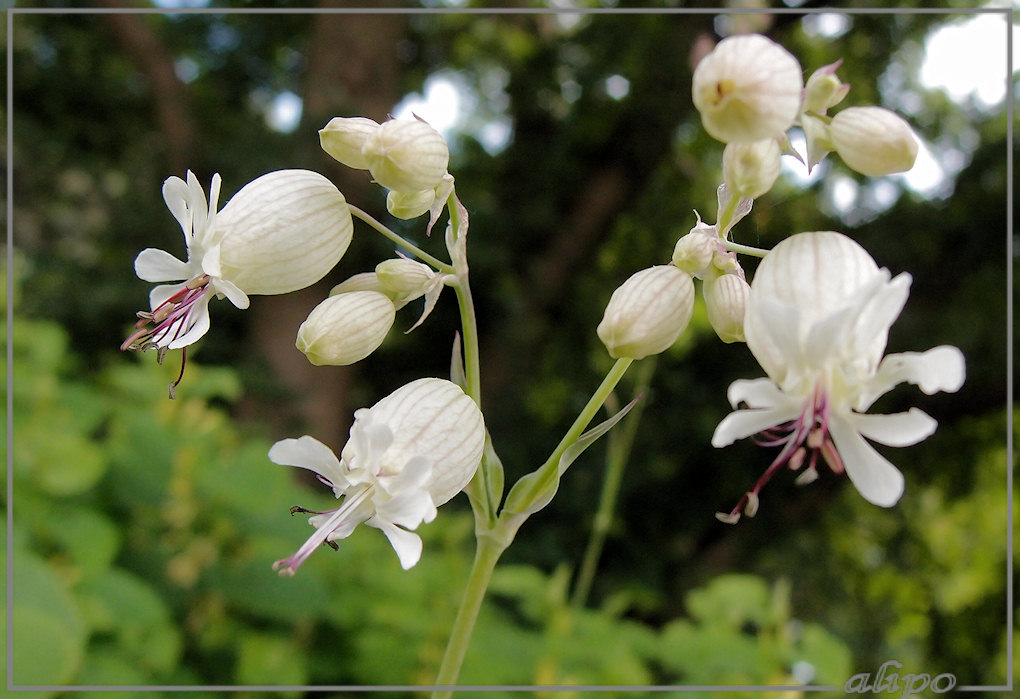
x=873 y=141
x=404 y=280
x=726 y=302
x=408 y=205
x=693 y=252
x=824 y=90
x=647 y=313
x=747 y=89
x=346 y=328
x=407 y=155
x=750 y=169
x=344 y=137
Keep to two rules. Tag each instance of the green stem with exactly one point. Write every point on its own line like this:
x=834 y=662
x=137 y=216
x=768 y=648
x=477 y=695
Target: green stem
x=744 y=249
x=407 y=245
x=469 y=326
x=621 y=440
x=487 y=553
x=493 y=541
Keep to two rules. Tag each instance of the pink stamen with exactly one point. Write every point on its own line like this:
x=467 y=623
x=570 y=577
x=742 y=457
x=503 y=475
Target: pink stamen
x=807 y=434
x=170 y=318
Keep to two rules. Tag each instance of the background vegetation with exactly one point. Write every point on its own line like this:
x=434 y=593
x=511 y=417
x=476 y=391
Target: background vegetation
x=144 y=529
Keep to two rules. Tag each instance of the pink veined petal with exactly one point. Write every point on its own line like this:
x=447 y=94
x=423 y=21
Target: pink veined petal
x=233 y=294
x=407 y=544
x=744 y=423
x=877 y=480
x=896 y=430
x=309 y=453
x=175 y=194
x=155 y=265
x=198 y=318
x=756 y=393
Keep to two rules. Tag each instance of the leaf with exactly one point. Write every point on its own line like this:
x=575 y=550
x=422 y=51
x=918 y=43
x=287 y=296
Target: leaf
x=535 y=490
x=49 y=634
x=270 y=660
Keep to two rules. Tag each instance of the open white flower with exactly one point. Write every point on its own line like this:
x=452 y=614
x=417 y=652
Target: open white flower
x=407 y=455
x=281 y=232
x=817 y=321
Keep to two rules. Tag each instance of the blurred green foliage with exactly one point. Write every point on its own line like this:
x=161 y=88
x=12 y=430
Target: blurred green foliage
x=145 y=529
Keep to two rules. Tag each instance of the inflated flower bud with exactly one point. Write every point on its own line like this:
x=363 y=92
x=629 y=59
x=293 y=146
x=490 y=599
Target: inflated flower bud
x=824 y=90
x=283 y=231
x=873 y=141
x=750 y=169
x=747 y=89
x=726 y=301
x=434 y=418
x=344 y=137
x=408 y=205
x=647 y=313
x=407 y=155
x=346 y=328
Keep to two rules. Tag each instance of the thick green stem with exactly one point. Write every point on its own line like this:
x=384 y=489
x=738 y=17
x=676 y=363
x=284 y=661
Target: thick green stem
x=487 y=553
x=407 y=245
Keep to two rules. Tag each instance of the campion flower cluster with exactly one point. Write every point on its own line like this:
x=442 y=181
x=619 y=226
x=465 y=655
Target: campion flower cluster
x=816 y=314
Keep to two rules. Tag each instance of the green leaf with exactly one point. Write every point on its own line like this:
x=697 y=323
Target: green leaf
x=125 y=606
x=49 y=634
x=271 y=660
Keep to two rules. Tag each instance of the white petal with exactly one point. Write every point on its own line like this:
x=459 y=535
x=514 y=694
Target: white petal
x=880 y=312
x=744 y=423
x=408 y=508
x=155 y=265
x=175 y=194
x=198 y=318
x=877 y=480
x=756 y=393
x=230 y=290
x=941 y=368
x=162 y=292
x=308 y=452
x=896 y=430
x=197 y=204
x=407 y=544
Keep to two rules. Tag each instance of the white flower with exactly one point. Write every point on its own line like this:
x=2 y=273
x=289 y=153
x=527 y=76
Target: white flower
x=647 y=313
x=817 y=321
x=280 y=233
x=747 y=89
x=407 y=455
